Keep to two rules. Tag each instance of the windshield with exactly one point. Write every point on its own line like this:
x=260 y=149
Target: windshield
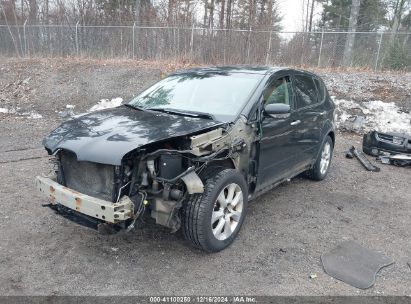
x=222 y=94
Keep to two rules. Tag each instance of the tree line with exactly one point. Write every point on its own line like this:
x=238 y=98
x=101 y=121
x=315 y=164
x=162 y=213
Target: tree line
x=242 y=14
x=343 y=15
x=392 y=16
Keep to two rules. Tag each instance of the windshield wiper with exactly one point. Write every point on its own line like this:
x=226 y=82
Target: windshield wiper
x=183 y=113
x=133 y=107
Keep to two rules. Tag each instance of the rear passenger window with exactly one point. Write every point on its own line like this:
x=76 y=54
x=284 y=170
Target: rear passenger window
x=320 y=88
x=306 y=91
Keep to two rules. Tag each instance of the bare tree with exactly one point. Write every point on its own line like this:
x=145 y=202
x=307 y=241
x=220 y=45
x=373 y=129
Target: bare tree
x=33 y=11
x=352 y=27
x=222 y=11
x=311 y=16
x=205 y=13
x=228 y=14
x=211 y=17
x=3 y=9
x=307 y=14
x=170 y=12
x=398 y=11
x=251 y=10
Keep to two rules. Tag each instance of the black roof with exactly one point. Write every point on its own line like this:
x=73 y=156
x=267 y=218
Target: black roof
x=246 y=69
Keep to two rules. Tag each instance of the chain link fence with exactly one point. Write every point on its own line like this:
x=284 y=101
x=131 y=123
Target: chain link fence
x=210 y=46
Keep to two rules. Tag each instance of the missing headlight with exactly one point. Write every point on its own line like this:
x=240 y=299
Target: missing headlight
x=170 y=165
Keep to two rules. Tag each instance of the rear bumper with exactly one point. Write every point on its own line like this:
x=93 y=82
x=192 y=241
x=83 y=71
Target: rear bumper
x=85 y=204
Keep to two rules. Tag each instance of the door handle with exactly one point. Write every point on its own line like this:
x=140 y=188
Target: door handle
x=295 y=122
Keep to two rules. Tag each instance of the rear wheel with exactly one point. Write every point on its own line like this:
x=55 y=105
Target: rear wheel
x=322 y=164
x=212 y=220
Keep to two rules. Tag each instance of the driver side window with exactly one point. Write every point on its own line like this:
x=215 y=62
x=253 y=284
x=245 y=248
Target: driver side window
x=278 y=91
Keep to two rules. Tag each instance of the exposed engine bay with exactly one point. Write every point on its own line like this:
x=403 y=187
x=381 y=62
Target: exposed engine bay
x=156 y=178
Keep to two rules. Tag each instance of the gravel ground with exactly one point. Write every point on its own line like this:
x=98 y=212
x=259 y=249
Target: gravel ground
x=284 y=235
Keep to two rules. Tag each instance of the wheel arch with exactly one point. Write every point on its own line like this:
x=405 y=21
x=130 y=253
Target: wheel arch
x=327 y=131
x=331 y=133
x=228 y=163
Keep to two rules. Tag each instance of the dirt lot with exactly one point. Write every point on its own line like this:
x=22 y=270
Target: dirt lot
x=285 y=231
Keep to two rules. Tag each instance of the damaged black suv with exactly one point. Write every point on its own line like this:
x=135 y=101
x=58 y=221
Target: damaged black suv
x=192 y=150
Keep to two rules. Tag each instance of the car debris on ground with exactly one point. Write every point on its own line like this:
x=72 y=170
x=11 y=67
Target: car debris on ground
x=388 y=148
x=354 y=264
x=313 y=275
x=399 y=160
x=353 y=152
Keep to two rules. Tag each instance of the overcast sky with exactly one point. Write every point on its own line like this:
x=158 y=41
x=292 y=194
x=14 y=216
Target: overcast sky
x=292 y=12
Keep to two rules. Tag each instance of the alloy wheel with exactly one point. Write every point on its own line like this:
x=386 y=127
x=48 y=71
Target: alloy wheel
x=227 y=211
x=325 y=158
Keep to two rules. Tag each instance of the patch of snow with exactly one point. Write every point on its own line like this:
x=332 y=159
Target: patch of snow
x=106 y=104
x=9 y=111
x=371 y=115
x=26 y=81
x=32 y=115
x=69 y=106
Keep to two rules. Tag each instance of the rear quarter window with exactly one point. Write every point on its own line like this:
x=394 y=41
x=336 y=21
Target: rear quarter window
x=320 y=89
x=306 y=90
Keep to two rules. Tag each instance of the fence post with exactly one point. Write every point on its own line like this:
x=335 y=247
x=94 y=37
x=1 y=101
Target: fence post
x=77 y=47
x=378 y=52
x=192 y=42
x=134 y=43
x=25 y=38
x=321 y=48
x=178 y=42
x=225 y=46
x=249 y=45
x=269 y=49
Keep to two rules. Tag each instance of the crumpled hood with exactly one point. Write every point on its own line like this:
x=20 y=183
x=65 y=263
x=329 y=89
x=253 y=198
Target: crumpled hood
x=106 y=136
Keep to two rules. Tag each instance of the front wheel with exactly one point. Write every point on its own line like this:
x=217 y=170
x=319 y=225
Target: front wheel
x=212 y=220
x=322 y=164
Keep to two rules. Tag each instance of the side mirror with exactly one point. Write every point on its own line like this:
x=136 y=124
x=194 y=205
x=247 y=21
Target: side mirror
x=277 y=108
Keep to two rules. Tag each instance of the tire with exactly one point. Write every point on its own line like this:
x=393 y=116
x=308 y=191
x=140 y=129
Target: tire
x=318 y=172
x=198 y=210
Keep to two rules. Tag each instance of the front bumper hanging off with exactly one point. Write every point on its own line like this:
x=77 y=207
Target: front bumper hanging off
x=376 y=142
x=85 y=204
